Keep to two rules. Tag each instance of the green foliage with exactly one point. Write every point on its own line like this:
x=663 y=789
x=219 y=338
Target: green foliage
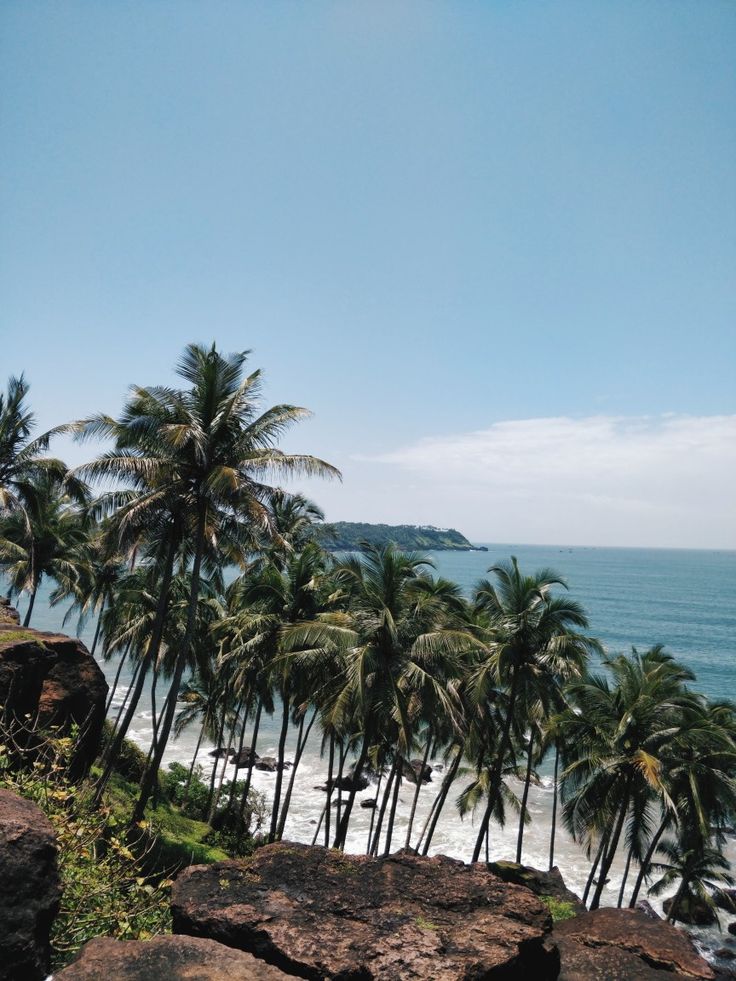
x=351 y=536
x=131 y=760
x=106 y=891
x=560 y=909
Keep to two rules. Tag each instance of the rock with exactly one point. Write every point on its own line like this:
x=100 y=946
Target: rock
x=8 y=614
x=613 y=944
x=242 y=758
x=369 y=804
x=221 y=751
x=165 y=959
x=418 y=770
x=270 y=764
x=322 y=914
x=349 y=782
x=540 y=883
x=693 y=910
x=29 y=889
x=55 y=679
x=732 y=928
x=725 y=953
x=645 y=907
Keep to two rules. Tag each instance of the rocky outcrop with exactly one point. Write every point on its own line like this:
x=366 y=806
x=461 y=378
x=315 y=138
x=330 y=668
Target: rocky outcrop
x=543 y=884
x=8 y=615
x=322 y=914
x=613 y=944
x=165 y=959
x=418 y=770
x=54 y=680
x=29 y=889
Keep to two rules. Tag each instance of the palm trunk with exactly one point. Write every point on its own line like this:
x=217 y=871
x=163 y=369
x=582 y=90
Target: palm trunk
x=279 y=767
x=553 y=829
x=301 y=743
x=324 y=810
x=124 y=703
x=342 y=756
x=394 y=805
x=594 y=867
x=188 y=784
x=420 y=777
x=622 y=890
x=241 y=740
x=373 y=812
x=445 y=790
x=644 y=868
x=117 y=679
x=31 y=601
x=225 y=760
x=151 y=774
x=218 y=747
x=251 y=759
x=342 y=830
x=609 y=854
x=676 y=900
x=97 y=629
x=524 y=799
x=149 y=658
x=382 y=811
x=330 y=768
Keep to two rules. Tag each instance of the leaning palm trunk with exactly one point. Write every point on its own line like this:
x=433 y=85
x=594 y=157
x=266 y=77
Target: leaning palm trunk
x=279 y=767
x=241 y=741
x=150 y=776
x=225 y=759
x=251 y=759
x=524 y=799
x=494 y=784
x=420 y=778
x=218 y=747
x=394 y=805
x=330 y=768
x=188 y=784
x=114 y=688
x=553 y=829
x=622 y=890
x=647 y=860
x=148 y=659
x=373 y=812
x=301 y=743
x=382 y=812
x=441 y=798
x=594 y=867
x=97 y=629
x=31 y=603
x=342 y=830
x=609 y=854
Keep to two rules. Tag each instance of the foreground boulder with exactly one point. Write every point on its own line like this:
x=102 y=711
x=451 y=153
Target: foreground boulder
x=616 y=944
x=322 y=914
x=165 y=959
x=29 y=889
x=53 y=679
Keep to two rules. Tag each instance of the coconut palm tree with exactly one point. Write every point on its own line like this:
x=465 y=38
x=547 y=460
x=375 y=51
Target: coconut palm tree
x=700 y=869
x=202 y=453
x=43 y=539
x=531 y=633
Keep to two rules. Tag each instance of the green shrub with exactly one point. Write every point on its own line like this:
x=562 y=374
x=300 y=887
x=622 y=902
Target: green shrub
x=560 y=909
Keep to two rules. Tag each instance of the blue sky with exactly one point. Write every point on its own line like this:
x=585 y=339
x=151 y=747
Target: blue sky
x=428 y=220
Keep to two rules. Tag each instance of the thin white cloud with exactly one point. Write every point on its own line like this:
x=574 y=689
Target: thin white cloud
x=666 y=480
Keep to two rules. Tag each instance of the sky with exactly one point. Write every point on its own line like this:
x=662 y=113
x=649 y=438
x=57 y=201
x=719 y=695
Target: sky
x=492 y=246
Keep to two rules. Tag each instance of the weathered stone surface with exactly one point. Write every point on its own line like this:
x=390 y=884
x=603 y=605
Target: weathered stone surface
x=416 y=770
x=540 y=883
x=242 y=758
x=165 y=959
x=29 y=889
x=321 y=914
x=55 y=679
x=618 y=944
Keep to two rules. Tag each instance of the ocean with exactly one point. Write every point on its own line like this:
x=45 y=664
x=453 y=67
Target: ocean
x=684 y=599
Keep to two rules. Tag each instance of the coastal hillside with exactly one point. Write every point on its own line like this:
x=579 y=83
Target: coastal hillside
x=350 y=536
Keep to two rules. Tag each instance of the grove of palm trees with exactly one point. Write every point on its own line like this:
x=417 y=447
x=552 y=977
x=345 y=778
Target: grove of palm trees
x=203 y=579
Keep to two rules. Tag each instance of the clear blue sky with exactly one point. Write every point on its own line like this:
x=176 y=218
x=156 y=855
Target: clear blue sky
x=425 y=219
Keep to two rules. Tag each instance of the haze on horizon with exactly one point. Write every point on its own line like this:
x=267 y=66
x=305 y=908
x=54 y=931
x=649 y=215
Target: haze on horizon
x=492 y=246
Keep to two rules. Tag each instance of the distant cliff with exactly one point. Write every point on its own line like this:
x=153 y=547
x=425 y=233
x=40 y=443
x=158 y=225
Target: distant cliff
x=349 y=536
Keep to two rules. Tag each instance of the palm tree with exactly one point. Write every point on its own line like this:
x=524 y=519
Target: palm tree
x=531 y=633
x=44 y=537
x=21 y=463
x=700 y=869
x=215 y=449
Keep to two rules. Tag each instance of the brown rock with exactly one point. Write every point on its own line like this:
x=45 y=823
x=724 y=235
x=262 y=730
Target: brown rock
x=8 y=614
x=613 y=944
x=165 y=959
x=29 y=889
x=55 y=679
x=540 y=883
x=323 y=914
